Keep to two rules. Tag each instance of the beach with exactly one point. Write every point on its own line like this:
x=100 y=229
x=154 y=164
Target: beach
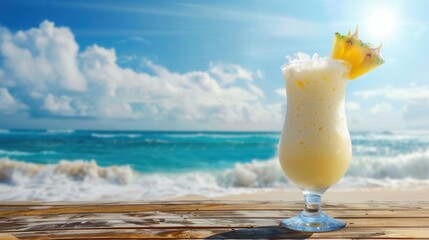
x=336 y=196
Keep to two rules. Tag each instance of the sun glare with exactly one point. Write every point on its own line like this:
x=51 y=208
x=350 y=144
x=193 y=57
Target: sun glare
x=381 y=23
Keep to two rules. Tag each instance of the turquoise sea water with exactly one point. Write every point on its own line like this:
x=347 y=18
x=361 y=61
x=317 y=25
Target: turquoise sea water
x=144 y=151
x=81 y=165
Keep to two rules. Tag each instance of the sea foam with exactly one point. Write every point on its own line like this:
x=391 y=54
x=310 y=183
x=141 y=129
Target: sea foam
x=60 y=131
x=13 y=153
x=115 y=135
x=86 y=180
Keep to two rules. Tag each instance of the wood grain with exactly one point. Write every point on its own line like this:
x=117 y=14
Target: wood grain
x=205 y=219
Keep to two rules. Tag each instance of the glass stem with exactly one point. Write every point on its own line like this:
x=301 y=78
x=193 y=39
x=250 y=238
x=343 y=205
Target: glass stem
x=312 y=203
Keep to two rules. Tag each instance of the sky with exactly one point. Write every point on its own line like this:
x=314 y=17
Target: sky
x=200 y=65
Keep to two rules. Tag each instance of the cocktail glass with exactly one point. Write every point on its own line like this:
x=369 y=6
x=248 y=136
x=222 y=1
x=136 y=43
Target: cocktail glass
x=315 y=147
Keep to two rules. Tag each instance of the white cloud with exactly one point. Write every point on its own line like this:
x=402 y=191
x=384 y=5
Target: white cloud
x=414 y=101
x=41 y=57
x=352 y=106
x=55 y=78
x=259 y=74
x=281 y=92
x=256 y=90
x=229 y=73
x=403 y=93
x=136 y=39
x=416 y=112
x=63 y=106
x=120 y=111
x=381 y=108
x=8 y=104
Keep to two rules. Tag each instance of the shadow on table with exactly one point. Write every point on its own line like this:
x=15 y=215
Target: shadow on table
x=267 y=232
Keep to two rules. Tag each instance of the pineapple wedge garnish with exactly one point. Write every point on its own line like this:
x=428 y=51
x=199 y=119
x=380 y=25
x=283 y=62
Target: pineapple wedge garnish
x=362 y=56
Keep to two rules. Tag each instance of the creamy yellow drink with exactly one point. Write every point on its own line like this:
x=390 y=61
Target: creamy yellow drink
x=315 y=148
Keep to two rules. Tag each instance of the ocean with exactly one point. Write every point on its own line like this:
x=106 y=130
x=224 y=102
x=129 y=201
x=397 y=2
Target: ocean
x=143 y=165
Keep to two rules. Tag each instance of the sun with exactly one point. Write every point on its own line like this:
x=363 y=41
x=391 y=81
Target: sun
x=381 y=23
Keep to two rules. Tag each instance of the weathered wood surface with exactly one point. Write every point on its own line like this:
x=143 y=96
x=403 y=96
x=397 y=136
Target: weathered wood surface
x=205 y=219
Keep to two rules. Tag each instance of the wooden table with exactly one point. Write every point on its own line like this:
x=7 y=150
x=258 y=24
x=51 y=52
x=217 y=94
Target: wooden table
x=204 y=219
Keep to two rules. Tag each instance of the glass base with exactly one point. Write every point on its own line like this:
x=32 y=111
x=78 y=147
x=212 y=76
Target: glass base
x=312 y=222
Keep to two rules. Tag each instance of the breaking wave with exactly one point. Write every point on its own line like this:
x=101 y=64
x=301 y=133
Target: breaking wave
x=86 y=180
x=117 y=135
x=60 y=131
x=21 y=153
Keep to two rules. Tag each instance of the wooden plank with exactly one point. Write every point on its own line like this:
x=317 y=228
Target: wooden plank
x=73 y=209
x=267 y=232
x=165 y=217
x=14 y=226
x=238 y=204
x=192 y=219
x=370 y=213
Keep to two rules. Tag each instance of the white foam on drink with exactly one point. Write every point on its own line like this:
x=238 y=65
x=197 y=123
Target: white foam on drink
x=301 y=65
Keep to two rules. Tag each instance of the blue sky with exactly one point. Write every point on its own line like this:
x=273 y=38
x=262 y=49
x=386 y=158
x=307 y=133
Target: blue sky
x=199 y=65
